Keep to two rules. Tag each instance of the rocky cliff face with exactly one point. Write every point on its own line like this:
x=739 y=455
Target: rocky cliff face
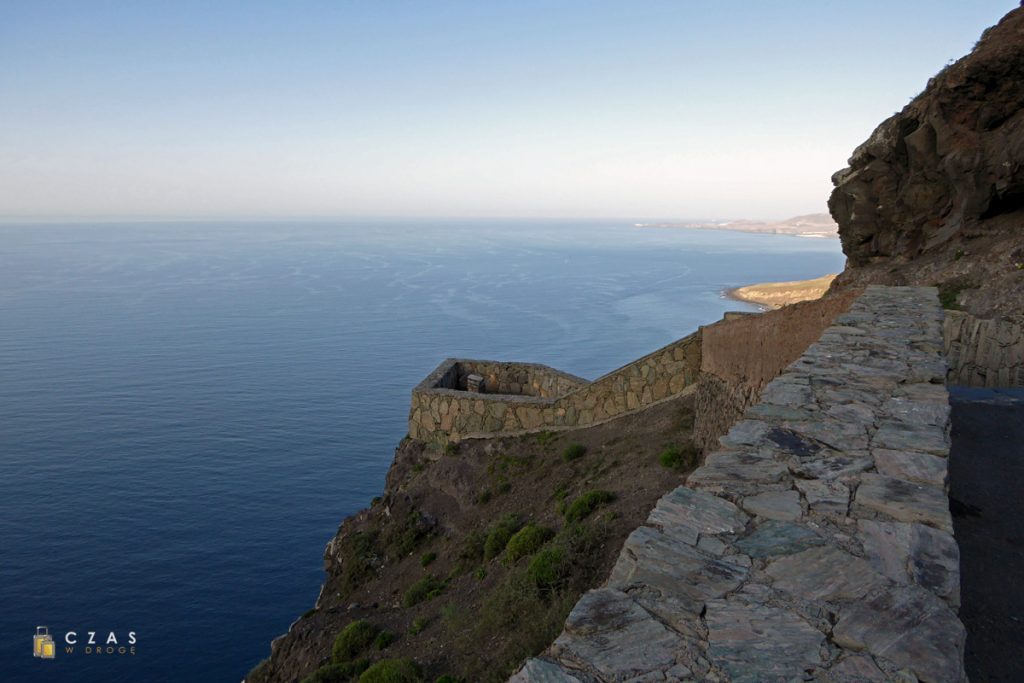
x=936 y=195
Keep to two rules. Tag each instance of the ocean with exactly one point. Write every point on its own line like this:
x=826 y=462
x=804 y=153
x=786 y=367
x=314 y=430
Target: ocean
x=189 y=410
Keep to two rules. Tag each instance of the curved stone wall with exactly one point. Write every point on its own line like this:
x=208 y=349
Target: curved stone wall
x=816 y=545
x=442 y=412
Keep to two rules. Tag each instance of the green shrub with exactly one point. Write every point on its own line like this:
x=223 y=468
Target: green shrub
x=949 y=291
x=447 y=679
x=504 y=487
x=418 y=624
x=427 y=558
x=338 y=673
x=546 y=437
x=392 y=671
x=451 y=449
x=574 y=451
x=353 y=639
x=678 y=457
x=587 y=503
x=480 y=573
x=483 y=497
x=405 y=534
x=547 y=567
x=498 y=535
x=425 y=589
x=527 y=541
x=383 y=639
x=473 y=545
x=357 y=551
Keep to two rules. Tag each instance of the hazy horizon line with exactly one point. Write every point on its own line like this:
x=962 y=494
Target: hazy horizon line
x=376 y=217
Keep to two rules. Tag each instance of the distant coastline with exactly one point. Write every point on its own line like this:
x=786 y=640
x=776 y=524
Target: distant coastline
x=818 y=225
x=771 y=295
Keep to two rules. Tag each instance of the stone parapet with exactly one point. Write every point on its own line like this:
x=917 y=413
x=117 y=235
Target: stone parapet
x=815 y=545
x=520 y=397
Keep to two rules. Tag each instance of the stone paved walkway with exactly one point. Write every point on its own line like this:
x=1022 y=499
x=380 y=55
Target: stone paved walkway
x=815 y=546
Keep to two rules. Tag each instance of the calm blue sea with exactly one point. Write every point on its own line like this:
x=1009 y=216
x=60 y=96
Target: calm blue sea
x=188 y=411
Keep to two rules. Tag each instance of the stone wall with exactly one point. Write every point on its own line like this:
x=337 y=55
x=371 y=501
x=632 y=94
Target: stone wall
x=816 y=545
x=983 y=353
x=441 y=412
x=741 y=354
x=520 y=379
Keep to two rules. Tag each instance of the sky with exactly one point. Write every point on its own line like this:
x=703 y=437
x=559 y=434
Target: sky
x=637 y=109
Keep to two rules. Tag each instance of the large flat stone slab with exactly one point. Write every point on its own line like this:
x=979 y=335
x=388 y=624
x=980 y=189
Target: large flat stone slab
x=901 y=436
x=824 y=573
x=613 y=636
x=921 y=468
x=780 y=505
x=911 y=628
x=904 y=501
x=833 y=467
x=914 y=553
x=825 y=497
x=542 y=671
x=653 y=560
x=737 y=470
x=778 y=538
x=687 y=514
x=757 y=643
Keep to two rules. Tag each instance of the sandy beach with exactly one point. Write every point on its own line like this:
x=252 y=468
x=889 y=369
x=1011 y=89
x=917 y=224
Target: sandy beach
x=777 y=294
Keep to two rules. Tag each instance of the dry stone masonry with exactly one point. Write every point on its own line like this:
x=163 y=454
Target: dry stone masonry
x=983 y=353
x=519 y=397
x=816 y=545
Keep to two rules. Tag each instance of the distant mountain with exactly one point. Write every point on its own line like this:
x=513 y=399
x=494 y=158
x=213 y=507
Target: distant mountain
x=809 y=225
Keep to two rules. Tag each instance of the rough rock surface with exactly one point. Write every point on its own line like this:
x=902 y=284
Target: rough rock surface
x=816 y=547
x=936 y=194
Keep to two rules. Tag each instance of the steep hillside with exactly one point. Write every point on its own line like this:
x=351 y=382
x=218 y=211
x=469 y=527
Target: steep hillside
x=471 y=559
x=936 y=194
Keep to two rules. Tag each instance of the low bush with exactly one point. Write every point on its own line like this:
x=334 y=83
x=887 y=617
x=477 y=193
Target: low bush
x=425 y=589
x=383 y=639
x=338 y=673
x=498 y=536
x=574 y=451
x=473 y=546
x=418 y=624
x=352 y=640
x=427 y=558
x=527 y=541
x=405 y=533
x=587 y=503
x=678 y=457
x=547 y=567
x=392 y=671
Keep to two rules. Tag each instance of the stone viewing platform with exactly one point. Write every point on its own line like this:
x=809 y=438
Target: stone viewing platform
x=519 y=397
x=815 y=545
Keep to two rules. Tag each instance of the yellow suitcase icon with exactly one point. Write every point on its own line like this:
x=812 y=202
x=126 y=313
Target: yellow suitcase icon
x=42 y=644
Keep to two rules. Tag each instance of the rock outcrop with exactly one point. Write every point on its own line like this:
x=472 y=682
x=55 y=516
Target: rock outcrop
x=936 y=195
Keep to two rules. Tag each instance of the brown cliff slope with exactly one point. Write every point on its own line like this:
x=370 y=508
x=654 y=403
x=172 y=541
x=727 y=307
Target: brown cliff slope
x=936 y=195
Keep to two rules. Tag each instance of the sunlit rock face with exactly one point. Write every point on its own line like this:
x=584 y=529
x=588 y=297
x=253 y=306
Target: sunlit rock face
x=936 y=193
